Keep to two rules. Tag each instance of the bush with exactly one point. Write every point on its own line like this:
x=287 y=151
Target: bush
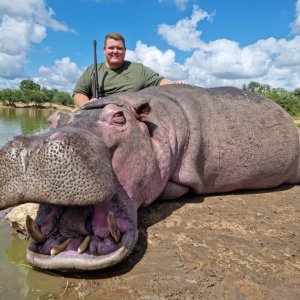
x=10 y=97
x=290 y=101
x=63 y=98
x=285 y=99
x=32 y=92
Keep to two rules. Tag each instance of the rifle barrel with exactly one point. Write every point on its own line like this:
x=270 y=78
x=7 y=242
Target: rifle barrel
x=95 y=72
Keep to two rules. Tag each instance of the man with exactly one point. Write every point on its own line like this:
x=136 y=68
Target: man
x=116 y=74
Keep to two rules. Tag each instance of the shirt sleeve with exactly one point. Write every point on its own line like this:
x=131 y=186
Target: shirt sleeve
x=83 y=85
x=151 y=78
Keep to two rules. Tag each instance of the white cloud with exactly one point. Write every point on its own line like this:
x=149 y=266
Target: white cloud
x=11 y=66
x=184 y=35
x=225 y=59
x=181 y=4
x=296 y=24
x=16 y=35
x=34 y=10
x=22 y=23
x=162 y=62
x=224 y=62
x=63 y=75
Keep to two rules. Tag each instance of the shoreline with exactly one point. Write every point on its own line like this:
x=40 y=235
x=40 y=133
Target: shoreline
x=46 y=105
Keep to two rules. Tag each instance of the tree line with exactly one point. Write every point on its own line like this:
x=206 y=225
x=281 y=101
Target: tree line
x=30 y=92
x=289 y=100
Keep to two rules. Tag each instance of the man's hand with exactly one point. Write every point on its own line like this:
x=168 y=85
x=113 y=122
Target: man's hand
x=166 y=81
x=180 y=82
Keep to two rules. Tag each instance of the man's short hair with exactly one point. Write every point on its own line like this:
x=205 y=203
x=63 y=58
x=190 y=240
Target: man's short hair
x=115 y=36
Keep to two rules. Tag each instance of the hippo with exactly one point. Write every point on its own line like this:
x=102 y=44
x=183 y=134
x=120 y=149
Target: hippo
x=94 y=170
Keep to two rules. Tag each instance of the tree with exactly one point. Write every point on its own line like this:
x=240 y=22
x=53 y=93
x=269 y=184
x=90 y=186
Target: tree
x=290 y=101
x=255 y=87
x=32 y=92
x=63 y=98
x=29 y=85
x=285 y=99
x=50 y=93
x=297 y=92
x=36 y=96
x=10 y=97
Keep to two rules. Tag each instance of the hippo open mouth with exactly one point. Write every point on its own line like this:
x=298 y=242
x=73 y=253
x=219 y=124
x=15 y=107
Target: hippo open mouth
x=80 y=238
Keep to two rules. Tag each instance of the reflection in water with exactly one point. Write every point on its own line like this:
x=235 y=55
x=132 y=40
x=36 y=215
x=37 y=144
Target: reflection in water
x=17 y=279
x=15 y=121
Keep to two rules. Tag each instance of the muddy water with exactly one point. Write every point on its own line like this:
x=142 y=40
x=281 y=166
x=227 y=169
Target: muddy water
x=17 y=279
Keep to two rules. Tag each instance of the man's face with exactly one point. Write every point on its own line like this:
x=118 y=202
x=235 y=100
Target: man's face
x=114 y=51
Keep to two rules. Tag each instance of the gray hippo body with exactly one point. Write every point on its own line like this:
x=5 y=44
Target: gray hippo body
x=119 y=153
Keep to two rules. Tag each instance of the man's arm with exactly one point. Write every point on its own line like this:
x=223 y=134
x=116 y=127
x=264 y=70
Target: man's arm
x=165 y=81
x=80 y=99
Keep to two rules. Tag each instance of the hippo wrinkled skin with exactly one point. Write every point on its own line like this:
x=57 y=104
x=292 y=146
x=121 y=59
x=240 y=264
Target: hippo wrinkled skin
x=114 y=155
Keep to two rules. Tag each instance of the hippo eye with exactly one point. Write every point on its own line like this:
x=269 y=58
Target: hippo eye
x=118 y=118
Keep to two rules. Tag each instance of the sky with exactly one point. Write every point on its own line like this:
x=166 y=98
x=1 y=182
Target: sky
x=207 y=43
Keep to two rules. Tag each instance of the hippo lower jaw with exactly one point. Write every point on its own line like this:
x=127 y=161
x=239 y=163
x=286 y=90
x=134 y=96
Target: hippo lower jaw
x=81 y=238
x=71 y=261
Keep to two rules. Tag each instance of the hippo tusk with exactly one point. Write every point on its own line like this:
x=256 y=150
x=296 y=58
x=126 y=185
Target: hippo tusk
x=34 y=231
x=61 y=247
x=113 y=228
x=85 y=243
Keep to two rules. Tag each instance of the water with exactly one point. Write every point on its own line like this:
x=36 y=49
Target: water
x=17 y=279
x=21 y=121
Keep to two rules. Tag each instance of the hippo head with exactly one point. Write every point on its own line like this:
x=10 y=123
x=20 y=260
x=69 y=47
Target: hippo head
x=90 y=176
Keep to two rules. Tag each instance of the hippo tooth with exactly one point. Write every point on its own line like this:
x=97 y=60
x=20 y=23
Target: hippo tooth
x=34 y=230
x=61 y=247
x=85 y=243
x=113 y=228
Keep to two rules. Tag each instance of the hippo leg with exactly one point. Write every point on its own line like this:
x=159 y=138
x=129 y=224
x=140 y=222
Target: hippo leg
x=173 y=191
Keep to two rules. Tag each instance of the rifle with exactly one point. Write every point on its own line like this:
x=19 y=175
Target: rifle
x=95 y=73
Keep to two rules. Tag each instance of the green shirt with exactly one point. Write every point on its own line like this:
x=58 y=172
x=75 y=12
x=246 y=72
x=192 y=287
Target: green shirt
x=130 y=77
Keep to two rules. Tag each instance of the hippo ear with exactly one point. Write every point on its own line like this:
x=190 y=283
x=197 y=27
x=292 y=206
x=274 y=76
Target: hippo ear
x=143 y=110
x=60 y=118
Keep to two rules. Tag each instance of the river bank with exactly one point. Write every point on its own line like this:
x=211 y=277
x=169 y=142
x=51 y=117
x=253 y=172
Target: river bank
x=45 y=106
x=69 y=109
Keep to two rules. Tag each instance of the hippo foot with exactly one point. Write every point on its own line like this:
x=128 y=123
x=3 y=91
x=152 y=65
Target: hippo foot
x=80 y=238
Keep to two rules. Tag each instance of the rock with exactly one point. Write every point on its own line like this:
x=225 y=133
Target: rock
x=17 y=218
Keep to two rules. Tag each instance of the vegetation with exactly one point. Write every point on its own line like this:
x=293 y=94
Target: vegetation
x=290 y=101
x=30 y=92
